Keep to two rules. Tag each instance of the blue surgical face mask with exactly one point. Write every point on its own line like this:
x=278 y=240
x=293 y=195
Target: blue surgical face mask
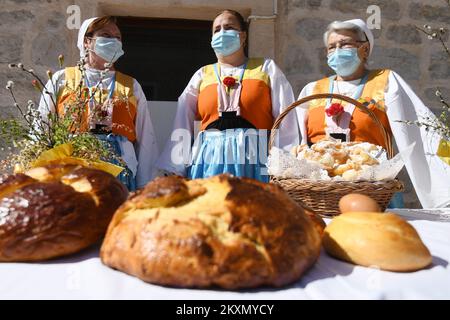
x=344 y=61
x=109 y=49
x=226 y=42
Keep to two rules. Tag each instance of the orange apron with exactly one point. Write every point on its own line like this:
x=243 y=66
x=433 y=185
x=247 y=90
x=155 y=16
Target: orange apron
x=362 y=127
x=124 y=103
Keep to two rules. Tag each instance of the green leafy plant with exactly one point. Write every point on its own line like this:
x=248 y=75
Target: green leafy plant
x=39 y=132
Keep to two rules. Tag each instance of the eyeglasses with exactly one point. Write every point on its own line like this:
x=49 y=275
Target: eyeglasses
x=105 y=35
x=345 y=44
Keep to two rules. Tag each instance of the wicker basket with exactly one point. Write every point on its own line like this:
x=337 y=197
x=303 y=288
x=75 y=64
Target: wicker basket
x=323 y=196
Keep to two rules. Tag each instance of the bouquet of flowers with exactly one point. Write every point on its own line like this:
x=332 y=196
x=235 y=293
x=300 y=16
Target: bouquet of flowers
x=41 y=138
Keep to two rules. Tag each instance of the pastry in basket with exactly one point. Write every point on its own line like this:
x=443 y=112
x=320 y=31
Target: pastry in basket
x=345 y=159
x=55 y=210
x=221 y=231
x=373 y=239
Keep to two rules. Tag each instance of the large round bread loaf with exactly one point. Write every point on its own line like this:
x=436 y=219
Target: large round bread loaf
x=222 y=231
x=55 y=210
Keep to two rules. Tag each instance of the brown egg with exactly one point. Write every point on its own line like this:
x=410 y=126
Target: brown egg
x=358 y=202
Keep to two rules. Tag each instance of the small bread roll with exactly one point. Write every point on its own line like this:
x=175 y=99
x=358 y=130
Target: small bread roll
x=351 y=175
x=341 y=169
x=297 y=149
x=339 y=156
x=377 y=240
x=327 y=161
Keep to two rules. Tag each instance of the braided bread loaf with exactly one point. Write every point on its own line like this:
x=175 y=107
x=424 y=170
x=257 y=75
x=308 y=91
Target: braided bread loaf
x=55 y=210
x=221 y=231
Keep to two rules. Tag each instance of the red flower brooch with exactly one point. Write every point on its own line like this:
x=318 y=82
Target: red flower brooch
x=229 y=82
x=334 y=110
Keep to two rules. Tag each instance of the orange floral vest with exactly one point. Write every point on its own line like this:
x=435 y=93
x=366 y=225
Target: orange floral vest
x=255 y=100
x=362 y=127
x=125 y=103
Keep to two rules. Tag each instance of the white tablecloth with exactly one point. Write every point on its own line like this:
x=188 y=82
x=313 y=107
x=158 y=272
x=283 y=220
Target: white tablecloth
x=84 y=277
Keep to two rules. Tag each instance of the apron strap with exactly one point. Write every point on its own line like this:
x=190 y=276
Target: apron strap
x=342 y=124
x=92 y=102
x=228 y=102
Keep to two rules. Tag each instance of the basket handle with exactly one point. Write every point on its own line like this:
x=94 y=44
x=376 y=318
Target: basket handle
x=386 y=136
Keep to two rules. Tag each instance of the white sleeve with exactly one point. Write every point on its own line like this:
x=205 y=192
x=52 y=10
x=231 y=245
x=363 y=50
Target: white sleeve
x=176 y=154
x=428 y=173
x=45 y=103
x=145 y=146
x=302 y=111
x=282 y=96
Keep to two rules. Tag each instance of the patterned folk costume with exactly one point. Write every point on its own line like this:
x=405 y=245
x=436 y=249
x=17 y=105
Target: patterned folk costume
x=234 y=121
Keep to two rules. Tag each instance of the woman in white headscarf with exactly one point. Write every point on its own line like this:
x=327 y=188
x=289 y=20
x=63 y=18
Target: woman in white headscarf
x=124 y=123
x=349 y=45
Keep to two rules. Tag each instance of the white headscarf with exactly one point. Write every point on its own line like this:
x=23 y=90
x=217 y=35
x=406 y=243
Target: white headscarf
x=81 y=33
x=364 y=28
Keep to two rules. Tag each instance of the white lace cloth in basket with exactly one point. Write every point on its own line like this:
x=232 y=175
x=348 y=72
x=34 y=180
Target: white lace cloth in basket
x=283 y=164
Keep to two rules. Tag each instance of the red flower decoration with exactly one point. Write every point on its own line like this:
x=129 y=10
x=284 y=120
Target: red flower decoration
x=334 y=110
x=229 y=82
x=102 y=114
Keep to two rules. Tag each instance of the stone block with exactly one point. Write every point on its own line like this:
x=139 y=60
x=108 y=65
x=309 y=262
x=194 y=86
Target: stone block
x=311 y=28
x=390 y=9
x=46 y=47
x=403 y=62
x=14 y=19
x=428 y=13
x=297 y=62
x=404 y=34
x=440 y=66
x=11 y=48
x=310 y=4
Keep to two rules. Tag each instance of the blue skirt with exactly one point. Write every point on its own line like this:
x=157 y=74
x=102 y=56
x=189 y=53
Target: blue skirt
x=126 y=176
x=240 y=152
x=396 y=201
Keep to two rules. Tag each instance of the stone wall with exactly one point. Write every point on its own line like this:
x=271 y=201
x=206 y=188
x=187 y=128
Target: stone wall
x=35 y=32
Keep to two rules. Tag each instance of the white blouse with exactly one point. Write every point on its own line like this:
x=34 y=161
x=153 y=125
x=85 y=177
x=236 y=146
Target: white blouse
x=140 y=157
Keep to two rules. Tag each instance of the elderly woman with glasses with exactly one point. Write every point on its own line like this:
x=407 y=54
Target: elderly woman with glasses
x=119 y=114
x=349 y=45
